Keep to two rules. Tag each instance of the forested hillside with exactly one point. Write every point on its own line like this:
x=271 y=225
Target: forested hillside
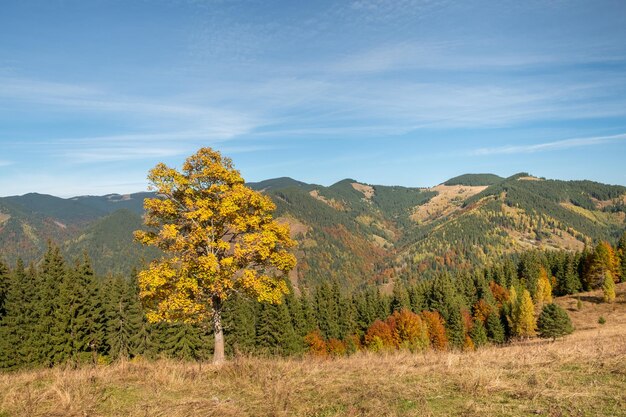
x=61 y=312
x=352 y=233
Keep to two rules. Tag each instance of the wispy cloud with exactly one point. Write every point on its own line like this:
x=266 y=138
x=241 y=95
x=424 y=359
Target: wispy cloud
x=4 y=163
x=215 y=122
x=548 y=146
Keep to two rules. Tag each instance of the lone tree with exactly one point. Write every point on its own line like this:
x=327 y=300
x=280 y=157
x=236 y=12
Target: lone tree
x=218 y=238
x=554 y=322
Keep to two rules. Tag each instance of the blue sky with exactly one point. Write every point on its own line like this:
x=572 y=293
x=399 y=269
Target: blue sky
x=93 y=93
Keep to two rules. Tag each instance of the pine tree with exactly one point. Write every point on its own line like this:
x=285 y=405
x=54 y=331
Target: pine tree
x=554 y=322
x=529 y=270
x=141 y=338
x=327 y=311
x=478 y=334
x=95 y=320
x=51 y=275
x=78 y=317
x=4 y=286
x=400 y=297
x=608 y=288
x=417 y=297
x=119 y=321
x=495 y=330
x=442 y=297
x=184 y=341
x=568 y=281
x=308 y=311
x=17 y=326
x=274 y=331
x=240 y=324
x=456 y=328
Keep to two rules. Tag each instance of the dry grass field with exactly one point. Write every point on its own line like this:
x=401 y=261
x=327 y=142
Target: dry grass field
x=581 y=375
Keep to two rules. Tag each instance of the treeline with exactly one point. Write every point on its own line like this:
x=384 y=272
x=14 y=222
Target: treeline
x=55 y=313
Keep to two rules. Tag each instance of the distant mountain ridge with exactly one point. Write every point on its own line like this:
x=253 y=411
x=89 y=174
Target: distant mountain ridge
x=351 y=232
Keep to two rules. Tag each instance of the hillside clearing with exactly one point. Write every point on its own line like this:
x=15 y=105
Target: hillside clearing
x=581 y=375
x=448 y=200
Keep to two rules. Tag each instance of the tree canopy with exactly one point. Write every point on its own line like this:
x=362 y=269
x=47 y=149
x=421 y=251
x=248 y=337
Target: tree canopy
x=219 y=238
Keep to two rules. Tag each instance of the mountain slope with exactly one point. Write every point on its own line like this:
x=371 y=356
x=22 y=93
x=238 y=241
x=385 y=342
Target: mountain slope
x=351 y=232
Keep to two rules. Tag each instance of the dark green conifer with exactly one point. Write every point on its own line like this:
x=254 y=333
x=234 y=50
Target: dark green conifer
x=17 y=326
x=274 y=332
x=455 y=327
x=494 y=328
x=327 y=311
x=141 y=338
x=554 y=322
x=4 y=286
x=442 y=298
x=184 y=341
x=418 y=297
x=400 y=297
x=240 y=324
x=119 y=327
x=478 y=334
x=50 y=276
x=308 y=311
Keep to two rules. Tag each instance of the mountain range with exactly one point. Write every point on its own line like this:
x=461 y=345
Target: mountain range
x=351 y=232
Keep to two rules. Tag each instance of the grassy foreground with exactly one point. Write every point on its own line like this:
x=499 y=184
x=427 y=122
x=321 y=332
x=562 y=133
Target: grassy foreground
x=581 y=375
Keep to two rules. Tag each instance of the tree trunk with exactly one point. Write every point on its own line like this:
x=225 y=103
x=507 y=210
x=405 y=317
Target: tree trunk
x=218 y=352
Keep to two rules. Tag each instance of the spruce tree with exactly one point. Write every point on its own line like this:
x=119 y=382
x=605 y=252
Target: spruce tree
x=4 y=286
x=567 y=278
x=95 y=320
x=494 y=328
x=274 y=332
x=442 y=297
x=119 y=323
x=455 y=327
x=17 y=326
x=184 y=341
x=417 y=297
x=308 y=312
x=554 y=322
x=141 y=338
x=240 y=324
x=51 y=274
x=478 y=334
x=327 y=311
x=400 y=297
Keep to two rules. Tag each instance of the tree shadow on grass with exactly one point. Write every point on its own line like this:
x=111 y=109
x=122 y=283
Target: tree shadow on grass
x=592 y=299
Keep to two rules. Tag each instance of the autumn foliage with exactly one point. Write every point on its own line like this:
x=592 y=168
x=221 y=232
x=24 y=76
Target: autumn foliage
x=218 y=237
x=408 y=330
x=436 y=329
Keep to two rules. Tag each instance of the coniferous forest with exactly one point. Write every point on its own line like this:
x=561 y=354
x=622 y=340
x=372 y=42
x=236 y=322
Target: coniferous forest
x=57 y=311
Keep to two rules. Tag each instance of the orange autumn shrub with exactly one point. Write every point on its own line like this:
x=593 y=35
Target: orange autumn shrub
x=436 y=329
x=316 y=343
x=408 y=330
x=379 y=336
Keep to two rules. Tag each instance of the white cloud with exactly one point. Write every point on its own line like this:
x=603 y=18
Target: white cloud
x=548 y=146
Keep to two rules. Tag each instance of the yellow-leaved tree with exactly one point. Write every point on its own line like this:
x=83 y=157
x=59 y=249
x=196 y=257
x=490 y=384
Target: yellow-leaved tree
x=218 y=237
